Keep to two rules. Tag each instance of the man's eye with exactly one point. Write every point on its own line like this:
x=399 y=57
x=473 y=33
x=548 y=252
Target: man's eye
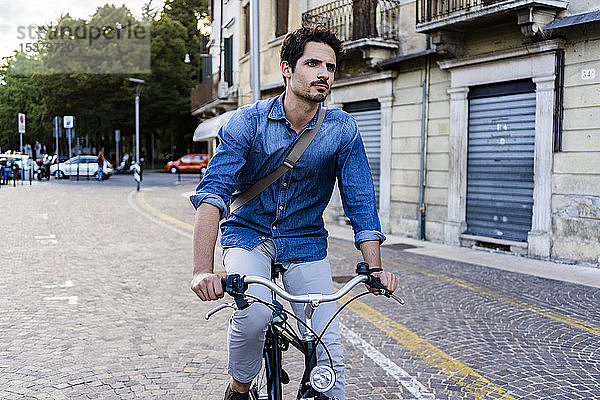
x=331 y=68
x=311 y=63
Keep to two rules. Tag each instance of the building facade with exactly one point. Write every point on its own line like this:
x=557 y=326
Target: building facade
x=481 y=118
x=216 y=93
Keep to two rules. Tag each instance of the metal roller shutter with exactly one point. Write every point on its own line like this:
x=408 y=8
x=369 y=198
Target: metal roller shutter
x=369 y=125
x=500 y=162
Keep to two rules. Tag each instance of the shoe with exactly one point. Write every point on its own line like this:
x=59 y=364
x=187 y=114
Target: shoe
x=230 y=394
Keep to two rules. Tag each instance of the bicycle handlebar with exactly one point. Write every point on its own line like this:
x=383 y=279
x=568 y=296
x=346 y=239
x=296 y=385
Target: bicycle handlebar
x=307 y=298
x=236 y=285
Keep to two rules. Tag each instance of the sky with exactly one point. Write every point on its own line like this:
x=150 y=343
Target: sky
x=23 y=13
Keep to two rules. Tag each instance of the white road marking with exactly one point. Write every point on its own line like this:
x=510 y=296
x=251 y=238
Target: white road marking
x=46 y=239
x=154 y=219
x=70 y=299
x=410 y=383
x=67 y=284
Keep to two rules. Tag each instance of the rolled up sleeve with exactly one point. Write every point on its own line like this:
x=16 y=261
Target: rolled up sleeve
x=212 y=199
x=367 y=235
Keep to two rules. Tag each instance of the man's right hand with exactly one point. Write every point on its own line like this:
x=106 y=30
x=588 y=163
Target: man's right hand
x=207 y=286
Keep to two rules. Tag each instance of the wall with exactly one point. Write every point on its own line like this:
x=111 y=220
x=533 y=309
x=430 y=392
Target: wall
x=576 y=177
x=269 y=49
x=406 y=149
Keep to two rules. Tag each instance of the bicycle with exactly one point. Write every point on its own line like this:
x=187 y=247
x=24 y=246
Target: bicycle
x=316 y=379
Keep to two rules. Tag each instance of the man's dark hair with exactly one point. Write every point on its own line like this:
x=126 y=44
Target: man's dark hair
x=293 y=44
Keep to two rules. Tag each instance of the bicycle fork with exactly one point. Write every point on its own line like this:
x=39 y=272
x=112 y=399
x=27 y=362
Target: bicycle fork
x=272 y=356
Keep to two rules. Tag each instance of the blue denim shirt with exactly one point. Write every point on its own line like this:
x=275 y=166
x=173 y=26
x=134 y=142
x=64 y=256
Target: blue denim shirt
x=253 y=143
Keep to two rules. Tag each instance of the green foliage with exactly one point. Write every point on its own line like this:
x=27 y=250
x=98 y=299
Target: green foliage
x=42 y=84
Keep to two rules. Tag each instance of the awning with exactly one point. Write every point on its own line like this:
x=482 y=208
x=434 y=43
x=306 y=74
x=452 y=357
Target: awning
x=208 y=129
x=574 y=20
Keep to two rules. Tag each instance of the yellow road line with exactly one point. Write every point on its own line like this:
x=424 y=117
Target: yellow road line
x=464 y=376
x=545 y=312
x=164 y=217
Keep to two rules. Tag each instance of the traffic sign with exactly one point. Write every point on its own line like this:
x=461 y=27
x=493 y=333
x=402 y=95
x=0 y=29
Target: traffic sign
x=21 y=123
x=117 y=135
x=137 y=172
x=69 y=121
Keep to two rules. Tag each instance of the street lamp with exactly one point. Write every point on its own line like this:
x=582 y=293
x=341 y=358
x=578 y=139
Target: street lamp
x=139 y=82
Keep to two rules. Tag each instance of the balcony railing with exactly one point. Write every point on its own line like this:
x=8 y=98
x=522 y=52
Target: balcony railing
x=205 y=92
x=431 y=10
x=358 y=19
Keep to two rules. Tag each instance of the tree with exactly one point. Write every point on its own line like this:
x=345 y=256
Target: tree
x=44 y=85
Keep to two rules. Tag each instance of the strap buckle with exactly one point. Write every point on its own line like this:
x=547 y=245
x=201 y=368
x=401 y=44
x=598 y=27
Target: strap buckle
x=289 y=163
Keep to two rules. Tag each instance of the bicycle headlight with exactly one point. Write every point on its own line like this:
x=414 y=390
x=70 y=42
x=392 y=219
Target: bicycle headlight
x=322 y=378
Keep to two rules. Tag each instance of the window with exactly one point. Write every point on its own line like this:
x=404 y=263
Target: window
x=186 y=159
x=197 y=158
x=281 y=17
x=246 y=12
x=229 y=60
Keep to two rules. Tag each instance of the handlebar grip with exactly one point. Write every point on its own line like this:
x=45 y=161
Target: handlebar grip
x=375 y=282
x=235 y=286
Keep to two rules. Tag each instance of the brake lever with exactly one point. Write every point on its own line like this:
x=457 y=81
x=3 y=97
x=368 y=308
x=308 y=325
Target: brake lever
x=219 y=308
x=223 y=306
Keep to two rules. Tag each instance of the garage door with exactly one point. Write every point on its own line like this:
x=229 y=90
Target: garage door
x=368 y=117
x=500 y=160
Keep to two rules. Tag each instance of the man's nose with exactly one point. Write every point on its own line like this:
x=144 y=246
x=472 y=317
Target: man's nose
x=323 y=74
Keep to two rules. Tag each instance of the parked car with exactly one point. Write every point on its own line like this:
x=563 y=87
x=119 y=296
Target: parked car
x=84 y=165
x=18 y=163
x=188 y=163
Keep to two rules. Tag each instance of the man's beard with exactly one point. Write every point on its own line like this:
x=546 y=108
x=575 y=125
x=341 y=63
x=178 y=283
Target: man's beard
x=315 y=98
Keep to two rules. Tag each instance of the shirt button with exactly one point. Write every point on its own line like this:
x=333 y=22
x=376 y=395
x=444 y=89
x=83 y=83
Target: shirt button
x=281 y=207
x=284 y=183
x=274 y=228
x=262 y=238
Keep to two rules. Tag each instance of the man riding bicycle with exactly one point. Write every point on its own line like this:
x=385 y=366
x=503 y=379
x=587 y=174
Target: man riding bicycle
x=284 y=222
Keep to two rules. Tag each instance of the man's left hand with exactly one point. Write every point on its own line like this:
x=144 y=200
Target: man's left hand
x=389 y=280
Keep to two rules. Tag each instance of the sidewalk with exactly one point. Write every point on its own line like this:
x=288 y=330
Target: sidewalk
x=563 y=272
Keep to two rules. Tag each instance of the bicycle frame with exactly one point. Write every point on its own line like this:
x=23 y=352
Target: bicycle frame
x=275 y=344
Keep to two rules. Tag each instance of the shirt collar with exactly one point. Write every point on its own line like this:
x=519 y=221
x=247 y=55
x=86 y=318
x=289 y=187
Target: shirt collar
x=277 y=112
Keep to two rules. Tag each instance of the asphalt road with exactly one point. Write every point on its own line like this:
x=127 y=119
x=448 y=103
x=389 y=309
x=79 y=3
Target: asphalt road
x=96 y=303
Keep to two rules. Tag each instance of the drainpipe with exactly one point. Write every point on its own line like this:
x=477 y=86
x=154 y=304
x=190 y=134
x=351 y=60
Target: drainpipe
x=424 y=121
x=221 y=73
x=254 y=51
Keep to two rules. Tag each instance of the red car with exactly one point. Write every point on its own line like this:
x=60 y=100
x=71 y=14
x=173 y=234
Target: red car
x=188 y=163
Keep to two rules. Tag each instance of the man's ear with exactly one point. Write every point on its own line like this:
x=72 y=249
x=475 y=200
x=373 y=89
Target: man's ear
x=286 y=70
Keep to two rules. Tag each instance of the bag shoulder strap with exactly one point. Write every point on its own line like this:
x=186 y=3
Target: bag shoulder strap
x=290 y=162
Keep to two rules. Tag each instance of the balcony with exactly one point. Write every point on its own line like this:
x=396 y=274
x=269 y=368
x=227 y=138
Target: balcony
x=371 y=26
x=532 y=15
x=212 y=97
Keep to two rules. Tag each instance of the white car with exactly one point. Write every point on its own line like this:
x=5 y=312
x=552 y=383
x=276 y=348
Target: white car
x=85 y=165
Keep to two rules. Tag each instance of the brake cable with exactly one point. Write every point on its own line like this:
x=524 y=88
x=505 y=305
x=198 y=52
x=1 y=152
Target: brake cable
x=318 y=337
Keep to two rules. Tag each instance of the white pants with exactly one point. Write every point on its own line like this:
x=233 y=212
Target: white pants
x=246 y=334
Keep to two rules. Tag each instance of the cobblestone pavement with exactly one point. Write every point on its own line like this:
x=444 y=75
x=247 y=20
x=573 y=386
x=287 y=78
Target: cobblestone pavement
x=95 y=303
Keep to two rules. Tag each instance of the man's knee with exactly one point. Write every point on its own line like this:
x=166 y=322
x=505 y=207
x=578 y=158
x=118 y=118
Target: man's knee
x=253 y=320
